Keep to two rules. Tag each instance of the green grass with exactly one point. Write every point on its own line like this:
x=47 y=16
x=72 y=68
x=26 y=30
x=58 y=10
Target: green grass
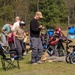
x=52 y=68
x=47 y=68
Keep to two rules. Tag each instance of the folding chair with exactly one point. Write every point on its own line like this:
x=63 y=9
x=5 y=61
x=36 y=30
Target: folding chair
x=9 y=58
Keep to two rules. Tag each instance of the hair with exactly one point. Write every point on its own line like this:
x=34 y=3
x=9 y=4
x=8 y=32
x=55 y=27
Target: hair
x=38 y=13
x=17 y=18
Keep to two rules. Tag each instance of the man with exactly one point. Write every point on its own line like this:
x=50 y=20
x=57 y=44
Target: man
x=19 y=34
x=5 y=33
x=35 y=40
x=16 y=24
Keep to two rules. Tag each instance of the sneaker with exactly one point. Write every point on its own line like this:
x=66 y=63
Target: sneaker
x=24 y=53
x=39 y=62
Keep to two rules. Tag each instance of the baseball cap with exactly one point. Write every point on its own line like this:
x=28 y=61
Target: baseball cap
x=22 y=23
x=39 y=14
x=58 y=29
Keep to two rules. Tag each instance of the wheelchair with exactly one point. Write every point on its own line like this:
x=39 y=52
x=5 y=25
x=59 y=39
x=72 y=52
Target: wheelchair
x=70 y=47
x=9 y=58
x=54 y=47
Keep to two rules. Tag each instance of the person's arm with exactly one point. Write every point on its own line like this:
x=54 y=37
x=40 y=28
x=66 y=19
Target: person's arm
x=13 y=27
x=24 y=34
x=16 y=35
x=3 y=30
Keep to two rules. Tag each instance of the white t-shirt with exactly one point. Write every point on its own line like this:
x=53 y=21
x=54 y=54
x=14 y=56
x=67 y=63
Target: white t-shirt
x=15 y=25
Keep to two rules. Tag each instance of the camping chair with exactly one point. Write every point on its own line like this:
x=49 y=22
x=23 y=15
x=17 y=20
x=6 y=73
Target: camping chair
x=9 y=58
x=70 y=45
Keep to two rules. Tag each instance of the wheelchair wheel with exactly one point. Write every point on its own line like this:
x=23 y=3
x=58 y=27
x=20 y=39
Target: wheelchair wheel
x=68 y=58
x=72 y=60
x=50 y=52
x=61 y=53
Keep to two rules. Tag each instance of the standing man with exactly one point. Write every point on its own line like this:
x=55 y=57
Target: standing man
x=35 y=40
x=19 y=34
x=16 y=24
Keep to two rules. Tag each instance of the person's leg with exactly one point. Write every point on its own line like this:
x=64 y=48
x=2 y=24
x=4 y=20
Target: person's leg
x=24 y=51
x=12 y=46
x=40 y=50
x=23 y=45
x=19 y=48
x=34 y=47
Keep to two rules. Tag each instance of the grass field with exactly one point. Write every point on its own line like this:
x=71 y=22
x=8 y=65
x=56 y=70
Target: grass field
x=47 y=68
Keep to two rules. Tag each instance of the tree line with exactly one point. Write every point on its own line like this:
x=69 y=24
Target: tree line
x=55 y=12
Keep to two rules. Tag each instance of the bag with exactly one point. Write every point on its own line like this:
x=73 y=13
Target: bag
x=11 y=38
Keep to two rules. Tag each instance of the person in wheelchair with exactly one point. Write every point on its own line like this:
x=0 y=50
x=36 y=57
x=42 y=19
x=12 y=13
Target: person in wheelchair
x=56 y=42
x=59 y=34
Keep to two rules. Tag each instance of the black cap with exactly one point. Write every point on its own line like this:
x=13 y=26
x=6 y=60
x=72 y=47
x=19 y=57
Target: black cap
x=22 y=23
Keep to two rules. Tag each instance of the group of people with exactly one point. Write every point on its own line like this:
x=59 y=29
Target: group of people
x=18 y=34
x=13 y=35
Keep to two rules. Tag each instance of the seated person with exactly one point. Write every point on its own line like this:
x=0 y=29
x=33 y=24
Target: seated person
x=61 y=38
x=57 y=39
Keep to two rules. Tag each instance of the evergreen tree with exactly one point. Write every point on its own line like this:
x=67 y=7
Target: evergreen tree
x=54 y=11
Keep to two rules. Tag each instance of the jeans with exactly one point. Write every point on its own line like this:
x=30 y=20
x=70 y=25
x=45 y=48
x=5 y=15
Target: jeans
x=20 y=47
x=37 y=49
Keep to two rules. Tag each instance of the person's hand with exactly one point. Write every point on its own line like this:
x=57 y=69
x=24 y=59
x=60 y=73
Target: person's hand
x=43 y=27
x=40 y=26
x=6 y=34
x=10 y=26
x=57 y=39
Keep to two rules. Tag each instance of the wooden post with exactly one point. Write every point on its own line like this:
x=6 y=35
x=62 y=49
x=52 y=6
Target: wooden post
x=37 y=5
